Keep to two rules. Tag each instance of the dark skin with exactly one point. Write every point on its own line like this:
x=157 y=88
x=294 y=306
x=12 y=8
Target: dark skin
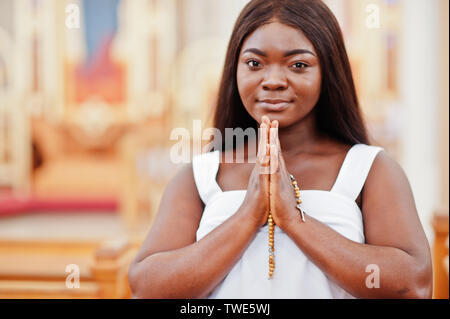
x=172 y=264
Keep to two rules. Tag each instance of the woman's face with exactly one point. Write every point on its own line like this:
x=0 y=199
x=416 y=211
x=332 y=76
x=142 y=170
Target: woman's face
x=278 y=74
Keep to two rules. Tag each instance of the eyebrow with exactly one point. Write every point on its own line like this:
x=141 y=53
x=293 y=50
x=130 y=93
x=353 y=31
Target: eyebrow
x=286 y=54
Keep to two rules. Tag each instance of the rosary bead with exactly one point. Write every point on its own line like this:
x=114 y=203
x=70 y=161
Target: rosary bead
x=271 y=226
x=297 y=195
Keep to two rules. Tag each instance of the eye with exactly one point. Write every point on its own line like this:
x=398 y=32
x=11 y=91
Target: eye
x=299 y=66
x=253 y=64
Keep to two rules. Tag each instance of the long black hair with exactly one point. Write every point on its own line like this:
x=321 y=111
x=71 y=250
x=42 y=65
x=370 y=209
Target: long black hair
x=337 y=111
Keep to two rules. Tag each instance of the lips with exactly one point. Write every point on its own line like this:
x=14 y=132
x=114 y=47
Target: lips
x=274 y=105
x=274 y=101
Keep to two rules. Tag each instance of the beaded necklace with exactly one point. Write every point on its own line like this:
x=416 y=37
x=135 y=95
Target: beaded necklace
x=272 y=226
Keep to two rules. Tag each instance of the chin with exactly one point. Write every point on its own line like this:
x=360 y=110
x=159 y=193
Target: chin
x=283 y=118
x=271 y=115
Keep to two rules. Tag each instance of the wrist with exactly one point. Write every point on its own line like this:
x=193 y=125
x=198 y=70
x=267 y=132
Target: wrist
x=250 y=216
x=294 y=213
x=294 y=221
x=289 y=221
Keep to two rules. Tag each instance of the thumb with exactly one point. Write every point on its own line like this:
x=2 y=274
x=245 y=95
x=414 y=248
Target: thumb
x=263 y=161
x=274 y=163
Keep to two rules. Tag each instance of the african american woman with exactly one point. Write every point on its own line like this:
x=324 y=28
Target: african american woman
x=332 y=210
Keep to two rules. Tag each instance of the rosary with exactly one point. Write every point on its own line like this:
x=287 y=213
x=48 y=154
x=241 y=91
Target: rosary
x=272 y=226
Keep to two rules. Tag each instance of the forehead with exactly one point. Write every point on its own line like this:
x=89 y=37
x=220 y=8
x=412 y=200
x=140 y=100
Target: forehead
x=279 y=37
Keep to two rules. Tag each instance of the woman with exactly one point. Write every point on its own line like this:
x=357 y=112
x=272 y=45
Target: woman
x=287 y=74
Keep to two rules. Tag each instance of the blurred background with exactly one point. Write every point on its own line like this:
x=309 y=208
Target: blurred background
x=91 y=89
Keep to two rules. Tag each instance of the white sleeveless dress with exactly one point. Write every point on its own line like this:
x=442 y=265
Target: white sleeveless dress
x=295 y=275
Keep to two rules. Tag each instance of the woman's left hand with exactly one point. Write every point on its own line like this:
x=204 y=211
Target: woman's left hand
x=282 y=195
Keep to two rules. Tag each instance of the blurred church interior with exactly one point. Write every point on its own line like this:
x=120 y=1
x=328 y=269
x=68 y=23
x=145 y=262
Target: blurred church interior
x=86 y=111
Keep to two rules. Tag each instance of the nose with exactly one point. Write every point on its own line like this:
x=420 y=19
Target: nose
x=274 y=79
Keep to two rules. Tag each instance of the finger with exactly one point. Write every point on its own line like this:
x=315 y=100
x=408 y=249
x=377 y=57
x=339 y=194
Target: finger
x=273 y=136
x=282 y=165
x=262 y=140
x=263 y=150
x=274 y=163
x=281 y=161
x=265 y=159
x=263 y=176
x=263 y=163
x=274 y=140
x=265 y=119
x=274 y=124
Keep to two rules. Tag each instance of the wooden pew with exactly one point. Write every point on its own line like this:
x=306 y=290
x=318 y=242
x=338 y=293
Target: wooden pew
x=37 y=268
x=440 y=255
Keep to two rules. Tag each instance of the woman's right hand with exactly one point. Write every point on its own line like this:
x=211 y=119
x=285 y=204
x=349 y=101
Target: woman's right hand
x=256 y=201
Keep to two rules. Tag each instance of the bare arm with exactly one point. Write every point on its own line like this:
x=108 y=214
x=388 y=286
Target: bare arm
x=395 y=240
x=171 y=264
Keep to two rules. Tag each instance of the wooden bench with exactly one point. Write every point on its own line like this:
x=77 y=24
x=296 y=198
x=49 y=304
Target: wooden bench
x=440 y=254
x=37 y=268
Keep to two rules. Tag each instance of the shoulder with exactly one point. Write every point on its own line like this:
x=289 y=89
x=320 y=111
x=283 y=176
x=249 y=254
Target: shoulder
x=384 y=168
x=184 y=174
x=178 y=216
x=183 y=181
x=387 y=182
x=180 y=198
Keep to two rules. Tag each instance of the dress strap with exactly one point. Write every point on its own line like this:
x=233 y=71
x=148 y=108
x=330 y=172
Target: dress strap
x=355 y=169
x=205 y=167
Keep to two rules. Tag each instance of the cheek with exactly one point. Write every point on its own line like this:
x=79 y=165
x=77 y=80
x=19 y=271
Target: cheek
x=309 y=87
x=246 y=83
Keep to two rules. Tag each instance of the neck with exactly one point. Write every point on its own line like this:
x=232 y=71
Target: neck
x=300 y=137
